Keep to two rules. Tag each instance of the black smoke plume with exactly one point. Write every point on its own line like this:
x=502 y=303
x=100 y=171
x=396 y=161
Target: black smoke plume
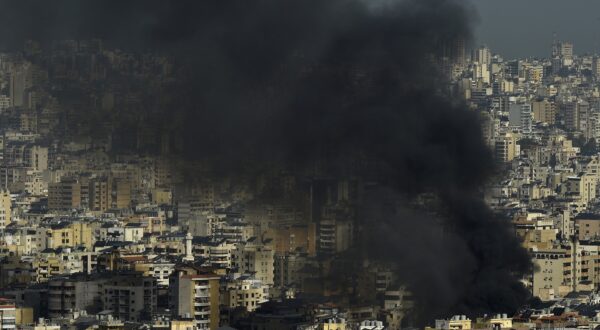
x=357 y=83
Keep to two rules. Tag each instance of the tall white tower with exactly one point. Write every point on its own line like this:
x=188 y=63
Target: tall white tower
x=189 y=256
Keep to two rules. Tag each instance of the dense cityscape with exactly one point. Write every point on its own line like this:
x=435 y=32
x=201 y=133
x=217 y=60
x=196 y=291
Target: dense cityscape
x=169 y=188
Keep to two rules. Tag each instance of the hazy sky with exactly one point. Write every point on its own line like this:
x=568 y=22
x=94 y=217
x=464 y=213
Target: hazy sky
x=522 y=28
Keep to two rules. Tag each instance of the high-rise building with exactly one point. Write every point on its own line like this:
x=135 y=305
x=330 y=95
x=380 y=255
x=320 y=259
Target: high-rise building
x=519 y=116
x=562 y=52
x=38 y=158
x=287 y=269
x=99 y=194
x=131 y=297
x=544 y=111
x=566 y=49
x=4 y=103
x=67 y=295
x=506 y=148
x=481 y=72
x=64 y=195
x=571 y=115
x=482 y=55
x=27 y=155
x=255 y=258
x=121 y=193
x=489 y=128
x=583 y=113
x=535 y=73
x=562 y=49
x=195 y=294
x=5 y=208
x=596 y=67
x=20 y=80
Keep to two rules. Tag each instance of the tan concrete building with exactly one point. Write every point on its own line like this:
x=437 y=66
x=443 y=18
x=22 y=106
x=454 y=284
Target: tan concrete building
x=587 y=226
x=5 y=208
x=70 y=234
x=66 y=295
x=333 y=324
x=162 y=196
x=506 y=148
x=293 y=238
x=287 y=269
x=64 y=195
x=99 y=194
x=552 y=276
x=195 y=294
x=544 y=111
x=581 y=187
x=183 y=324
x=457 y=322
x=130 y=297
x=255 y=258
x=559 y=271
x=246 y=292
x=122 y=194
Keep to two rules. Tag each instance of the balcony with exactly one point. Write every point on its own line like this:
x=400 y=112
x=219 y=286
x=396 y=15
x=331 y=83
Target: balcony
x=201 y=312
x=201 y=301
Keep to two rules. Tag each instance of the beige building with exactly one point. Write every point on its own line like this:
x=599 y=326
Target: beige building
x=5 y=208
x=196 y=295
x=38 y=158
x=587 y=226
x=293 y=238
x=246 y=292
x=552 y=276
x=66 y=295
x=593 y=168
x=99 y=194
x=335 y=236
x=70 y=234
x=160 y=271
x=287 y=269
x=122 y=194
x=24 y=240
x=64 y=195
x=255 y=258
x=535 y=73
x=581 y=187
x=544 y=111
x=162 y=196
x=130 y=297
x=506 y=148
x=457 y=322
x=27 y=155
x=333 y=324
x=559 y=271
x=183 y=324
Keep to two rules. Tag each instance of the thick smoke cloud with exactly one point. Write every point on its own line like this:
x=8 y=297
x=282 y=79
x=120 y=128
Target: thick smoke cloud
x=354 y=82
x=460 y=256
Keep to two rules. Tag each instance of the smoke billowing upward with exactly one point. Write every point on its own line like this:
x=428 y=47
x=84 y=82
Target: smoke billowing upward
x=292 y=82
